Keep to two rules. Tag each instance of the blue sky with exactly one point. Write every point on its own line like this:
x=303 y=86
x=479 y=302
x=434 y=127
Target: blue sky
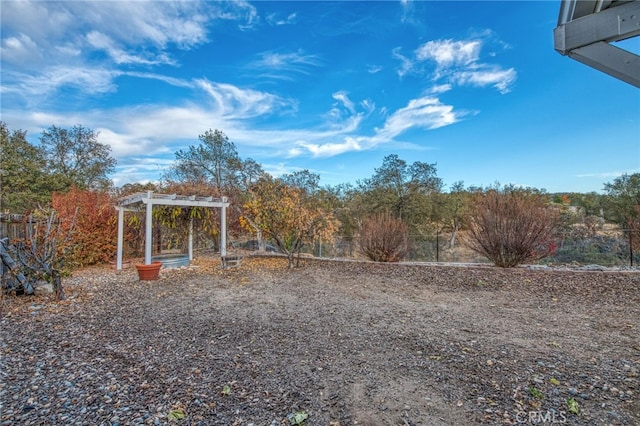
x=333 y=87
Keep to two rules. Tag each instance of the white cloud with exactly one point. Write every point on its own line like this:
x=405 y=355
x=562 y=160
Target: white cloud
x=19 y=49
x=240 y=10
x=343 y=98
x=501 y=79
x=332 y=149
x=88 y=80
x=67 y=35
x=458 y=62
x=439 y=88
x=447 y=53
x=426 y=112
x=406 y=64
x=274 y=19
x=233 y=102
x=282 y=65
x=173 y=81
x=608 y=175
x=103 y=42
x=368 y=105
x=407 y=11
x=278 y=169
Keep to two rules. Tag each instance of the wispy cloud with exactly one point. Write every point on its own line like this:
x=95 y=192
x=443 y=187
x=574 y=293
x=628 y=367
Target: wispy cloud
x=407 y=65
x=280 y=65
x=608 y=175
x=448 y=53
x=87 y=80
x=501 y=79
x=439 y=88
x=458 y=62
x=408 y=12
x=426 y=112
x=276 y=20
x=343 y=98
x=235 y=103
x=100 y=41
x=331 y=149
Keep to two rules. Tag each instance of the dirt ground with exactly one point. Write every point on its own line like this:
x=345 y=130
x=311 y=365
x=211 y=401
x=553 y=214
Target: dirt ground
x=337 y=343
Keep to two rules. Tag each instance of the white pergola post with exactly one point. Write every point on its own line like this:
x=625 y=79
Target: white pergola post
x=223 y=227
x=148 y=233
x=120 y=237
x=190 y=239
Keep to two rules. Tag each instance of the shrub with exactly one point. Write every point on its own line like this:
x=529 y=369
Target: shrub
x=384 y=239
x=95 y=229
x=512 y=226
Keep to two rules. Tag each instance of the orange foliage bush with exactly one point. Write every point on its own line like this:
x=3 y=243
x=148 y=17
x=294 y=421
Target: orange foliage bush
x=94 y=238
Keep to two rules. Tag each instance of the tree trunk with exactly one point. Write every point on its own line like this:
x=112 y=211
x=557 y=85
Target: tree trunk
x=454 y=235
x=57 y=286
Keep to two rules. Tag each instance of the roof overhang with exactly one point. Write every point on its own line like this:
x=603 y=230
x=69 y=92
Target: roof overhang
x=585 y=29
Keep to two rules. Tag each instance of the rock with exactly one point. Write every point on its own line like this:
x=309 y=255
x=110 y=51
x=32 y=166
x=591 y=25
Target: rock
x=593 y=268
x=43 y=287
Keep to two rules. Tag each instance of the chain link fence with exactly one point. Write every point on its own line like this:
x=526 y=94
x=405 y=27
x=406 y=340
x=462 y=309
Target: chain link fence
x=619 y=249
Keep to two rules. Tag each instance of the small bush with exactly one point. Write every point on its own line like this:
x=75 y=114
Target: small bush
x=384 y=239
x=512 y=226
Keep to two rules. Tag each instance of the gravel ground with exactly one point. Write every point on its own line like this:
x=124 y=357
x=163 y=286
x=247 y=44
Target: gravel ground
x=337 y=343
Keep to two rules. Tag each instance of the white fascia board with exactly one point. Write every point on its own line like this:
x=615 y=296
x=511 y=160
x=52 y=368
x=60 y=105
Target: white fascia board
x=612 y=24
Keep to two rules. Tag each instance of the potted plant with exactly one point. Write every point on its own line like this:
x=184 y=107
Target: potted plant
x=147 y=272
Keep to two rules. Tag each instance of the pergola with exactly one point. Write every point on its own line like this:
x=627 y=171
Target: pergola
x=149 y=199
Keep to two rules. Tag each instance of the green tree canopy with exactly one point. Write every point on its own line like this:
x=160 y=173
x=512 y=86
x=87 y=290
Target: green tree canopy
x=623 y=198
x=214 y=161
x=74 y=157
x=403 y=189
x=23 y=182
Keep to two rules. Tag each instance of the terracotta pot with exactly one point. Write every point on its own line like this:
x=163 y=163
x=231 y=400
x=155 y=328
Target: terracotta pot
x=148 y=272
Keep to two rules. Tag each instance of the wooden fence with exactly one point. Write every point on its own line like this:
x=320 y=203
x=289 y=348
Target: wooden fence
x=12 y=226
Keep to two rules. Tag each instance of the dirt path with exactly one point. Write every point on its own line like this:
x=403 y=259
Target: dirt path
x=340 y=342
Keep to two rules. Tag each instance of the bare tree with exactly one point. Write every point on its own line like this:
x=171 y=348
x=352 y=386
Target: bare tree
x=42 y=252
